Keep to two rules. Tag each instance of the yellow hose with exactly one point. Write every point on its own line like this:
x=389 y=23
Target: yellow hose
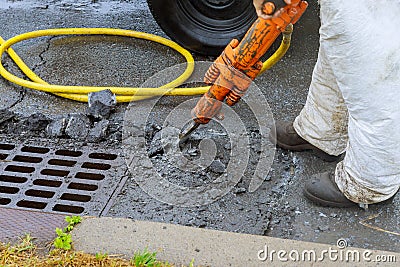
x=283 y=48
x=123 y=94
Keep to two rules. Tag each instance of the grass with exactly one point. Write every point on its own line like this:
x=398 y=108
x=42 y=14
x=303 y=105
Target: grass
x=145 y=258
x=25 y=254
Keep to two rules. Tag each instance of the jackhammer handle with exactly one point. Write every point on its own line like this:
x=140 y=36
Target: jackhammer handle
x=268 y=7
x=263 y=33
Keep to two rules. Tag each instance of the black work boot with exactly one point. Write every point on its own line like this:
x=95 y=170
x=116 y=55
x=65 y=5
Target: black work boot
x=322 y=190
x=287 y=138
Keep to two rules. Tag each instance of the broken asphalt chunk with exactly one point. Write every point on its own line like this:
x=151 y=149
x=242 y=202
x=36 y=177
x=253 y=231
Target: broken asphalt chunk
x=36 y=122
x=101 y=104
x=56 y=128
x=77 y=127
x=99 y=131
x=156 y=146
x=217 y=166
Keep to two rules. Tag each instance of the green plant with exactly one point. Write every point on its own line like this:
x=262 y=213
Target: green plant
x=101 y=256
x=64 y=238
x=191 y=264
x=145 y=259
x=72 y=221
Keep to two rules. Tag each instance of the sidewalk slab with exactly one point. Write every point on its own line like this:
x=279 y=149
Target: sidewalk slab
x=180 y=245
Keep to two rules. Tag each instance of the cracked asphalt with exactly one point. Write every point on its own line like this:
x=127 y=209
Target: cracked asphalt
x=276 y=209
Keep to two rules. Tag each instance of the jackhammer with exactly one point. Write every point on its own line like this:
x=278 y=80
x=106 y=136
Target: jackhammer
x=239 y=64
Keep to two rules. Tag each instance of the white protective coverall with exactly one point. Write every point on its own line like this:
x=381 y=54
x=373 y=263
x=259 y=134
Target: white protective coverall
x=353 y=104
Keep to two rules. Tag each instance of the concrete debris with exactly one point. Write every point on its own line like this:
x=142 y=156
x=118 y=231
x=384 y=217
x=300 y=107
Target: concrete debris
x=217 y=166
x=56 y=128
x=74 y=125
x=156 y=147
x=192 y=152
x=323 y=228
x=151 y=130
x=322 y=215
x=163 y=142
x=36 y=122
x=78 y=126
x=240 y=190
x=99 y=131
x=101 y=104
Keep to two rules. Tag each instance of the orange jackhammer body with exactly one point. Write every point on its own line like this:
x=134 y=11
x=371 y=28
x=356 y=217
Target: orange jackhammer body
x=239 y=64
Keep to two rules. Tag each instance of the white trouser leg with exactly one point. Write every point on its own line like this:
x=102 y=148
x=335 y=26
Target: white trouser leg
x=361 y=44
x=323 y=120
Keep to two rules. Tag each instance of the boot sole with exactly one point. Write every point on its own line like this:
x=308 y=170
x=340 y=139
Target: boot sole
x=304 y=147
x=326 y=203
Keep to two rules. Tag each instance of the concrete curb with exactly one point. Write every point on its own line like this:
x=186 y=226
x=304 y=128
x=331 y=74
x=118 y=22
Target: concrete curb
x=180 y=244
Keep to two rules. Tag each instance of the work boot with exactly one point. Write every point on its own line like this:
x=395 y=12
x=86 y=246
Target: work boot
x=287 y=138
x=322 y=190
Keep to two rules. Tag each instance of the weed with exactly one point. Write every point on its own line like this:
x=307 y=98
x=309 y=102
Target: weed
x=101 y=256
x=64 y=238
x=72 y=221
x=145 y=259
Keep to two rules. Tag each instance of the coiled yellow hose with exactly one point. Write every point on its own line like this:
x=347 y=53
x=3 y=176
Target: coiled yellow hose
x=123 y=94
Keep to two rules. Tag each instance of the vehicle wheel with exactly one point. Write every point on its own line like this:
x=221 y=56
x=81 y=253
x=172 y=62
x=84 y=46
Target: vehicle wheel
x=203 y=26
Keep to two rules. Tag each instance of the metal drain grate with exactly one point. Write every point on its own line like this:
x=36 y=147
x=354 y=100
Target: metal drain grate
x=57 y=179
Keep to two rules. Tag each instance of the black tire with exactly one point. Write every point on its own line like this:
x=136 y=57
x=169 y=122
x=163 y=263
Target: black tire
x=203 y=26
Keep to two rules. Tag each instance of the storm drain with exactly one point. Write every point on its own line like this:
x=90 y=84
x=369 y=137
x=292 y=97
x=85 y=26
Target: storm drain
x=57 y=179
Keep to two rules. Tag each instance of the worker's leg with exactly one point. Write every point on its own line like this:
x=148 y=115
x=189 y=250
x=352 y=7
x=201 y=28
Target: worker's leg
x=323 y=120
x=362 y=45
